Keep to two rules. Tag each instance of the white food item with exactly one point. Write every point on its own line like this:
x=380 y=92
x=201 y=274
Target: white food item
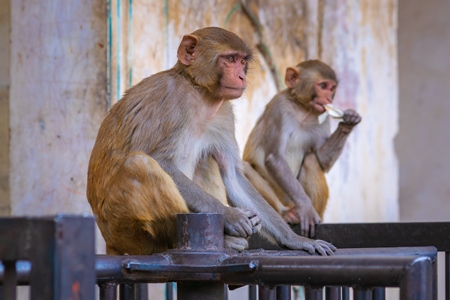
x=332 y=112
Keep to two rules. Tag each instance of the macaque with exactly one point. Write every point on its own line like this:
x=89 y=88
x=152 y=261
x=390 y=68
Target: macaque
x=289 y=149
x=168 y=146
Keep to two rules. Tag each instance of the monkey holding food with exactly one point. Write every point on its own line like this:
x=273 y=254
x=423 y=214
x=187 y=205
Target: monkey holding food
x=168 y=146
x=291 y=146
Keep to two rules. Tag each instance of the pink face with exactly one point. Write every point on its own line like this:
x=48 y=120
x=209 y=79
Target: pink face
x=324 y=94
x=233 y=75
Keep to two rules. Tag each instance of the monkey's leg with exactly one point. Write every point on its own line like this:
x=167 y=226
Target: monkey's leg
x=139 y=212
x=207 y=176
x=313 y=180
x=263 y=187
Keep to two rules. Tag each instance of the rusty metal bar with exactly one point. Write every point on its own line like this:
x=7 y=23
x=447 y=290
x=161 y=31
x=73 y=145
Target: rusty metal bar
x=201 y=233
x=61 y=250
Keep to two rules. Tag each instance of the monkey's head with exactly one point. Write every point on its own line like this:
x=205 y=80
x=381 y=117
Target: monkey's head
x=312 y=83
x=216 y=60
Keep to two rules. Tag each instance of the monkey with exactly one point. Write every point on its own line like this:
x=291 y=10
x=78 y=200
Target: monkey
x=169 y=146
x=289 y=151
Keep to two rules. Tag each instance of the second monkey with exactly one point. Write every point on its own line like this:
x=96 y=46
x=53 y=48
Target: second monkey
x=289 y=150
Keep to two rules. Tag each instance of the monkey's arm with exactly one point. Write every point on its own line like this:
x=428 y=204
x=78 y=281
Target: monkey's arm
x=280 y=171
x=274 y=227
x=330 y=151
x=237 y=222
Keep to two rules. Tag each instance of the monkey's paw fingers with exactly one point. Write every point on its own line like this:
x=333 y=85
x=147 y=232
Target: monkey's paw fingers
x=291 y=216
x=324 y=248
x=236 y=243
x=351 y=117
x=237 y=223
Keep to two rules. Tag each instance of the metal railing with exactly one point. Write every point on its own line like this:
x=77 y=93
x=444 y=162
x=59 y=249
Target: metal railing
x=201 y=267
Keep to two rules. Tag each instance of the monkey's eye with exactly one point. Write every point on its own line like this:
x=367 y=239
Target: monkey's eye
x=230 y=58
x=323 y=85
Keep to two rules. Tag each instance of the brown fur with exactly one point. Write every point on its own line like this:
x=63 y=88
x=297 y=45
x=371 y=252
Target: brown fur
x=289 y=151
x=168 y=147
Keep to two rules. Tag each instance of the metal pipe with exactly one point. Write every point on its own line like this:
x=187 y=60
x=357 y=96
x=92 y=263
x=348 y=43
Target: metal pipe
x=200 y=233
x=332 y=293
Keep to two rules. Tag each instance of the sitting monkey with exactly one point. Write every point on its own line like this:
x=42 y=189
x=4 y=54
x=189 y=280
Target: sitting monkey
x=290 y=148
x=168 y=146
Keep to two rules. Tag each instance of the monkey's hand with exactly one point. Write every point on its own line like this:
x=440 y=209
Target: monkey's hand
x=241 y=222
x=306 y=216
x=350 y=119
x=238 y=244
x=312 y=246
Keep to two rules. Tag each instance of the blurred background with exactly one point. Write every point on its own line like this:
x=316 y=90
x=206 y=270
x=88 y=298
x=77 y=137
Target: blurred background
x=64 y=63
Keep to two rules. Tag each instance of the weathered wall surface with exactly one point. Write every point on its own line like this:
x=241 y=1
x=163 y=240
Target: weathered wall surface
x=5 y=27
x=60 y=92
x=357 y=38
x=58 y=98
x=424 y=43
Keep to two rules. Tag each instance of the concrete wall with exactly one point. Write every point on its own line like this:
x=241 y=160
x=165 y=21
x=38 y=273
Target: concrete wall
x=58 y=98
x=5 y=207
x=424 y=139
x=60 y=93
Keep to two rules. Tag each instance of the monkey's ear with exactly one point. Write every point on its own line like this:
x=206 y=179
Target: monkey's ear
x=292 y=77
x=186 y=51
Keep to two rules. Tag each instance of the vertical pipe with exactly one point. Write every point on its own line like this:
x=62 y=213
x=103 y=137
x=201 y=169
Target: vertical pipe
x=108 y=291
x=417 y=282
x=141 y=291
x=447 y=275
x=266 y=293
x=200 y=232
x=284 y=292
x=332 y=293
x=252 y=292
x=345 y=293
x=10 y=280
x=313 y=293
x=169 y=291
x=379 y=294
x=360 y=293
x=126 y=291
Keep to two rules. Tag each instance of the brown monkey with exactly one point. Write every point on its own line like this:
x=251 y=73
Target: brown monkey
x=156 y=144
x=289 y=150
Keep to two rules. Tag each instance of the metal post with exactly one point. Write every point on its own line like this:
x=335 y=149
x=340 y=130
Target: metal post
x=200 y=233
x=10 y=281
x=360 y=293
x=447 y=275
x=108 y=291
x=313 y=293
x=126 y=291
x=266 y=293
x=379 y=294
x=333 y=293
x=252 y=292
x=284 y=292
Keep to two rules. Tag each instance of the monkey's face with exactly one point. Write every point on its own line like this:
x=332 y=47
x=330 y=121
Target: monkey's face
x=232 y=79
x=322 y=94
